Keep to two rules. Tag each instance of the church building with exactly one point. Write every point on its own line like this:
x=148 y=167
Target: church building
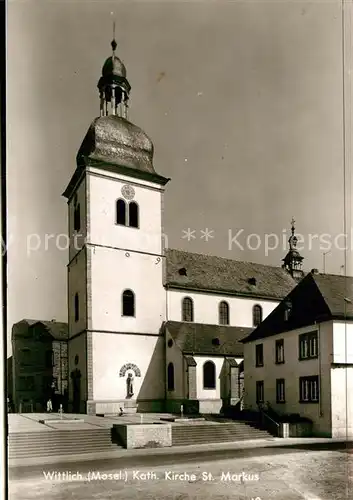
x=150 y=328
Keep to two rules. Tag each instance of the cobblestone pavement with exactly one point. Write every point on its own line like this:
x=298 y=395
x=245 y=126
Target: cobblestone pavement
x=309 y=475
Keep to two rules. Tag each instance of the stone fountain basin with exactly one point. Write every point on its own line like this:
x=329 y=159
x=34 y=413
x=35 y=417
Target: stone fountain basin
x=61 y=421
x=183 y=419
x=140 y=435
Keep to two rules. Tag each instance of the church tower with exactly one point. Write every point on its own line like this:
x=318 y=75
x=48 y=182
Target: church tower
x=293 y=261
x=116 y=298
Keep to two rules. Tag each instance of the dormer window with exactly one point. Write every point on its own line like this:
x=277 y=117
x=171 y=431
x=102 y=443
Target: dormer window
x=182 y=271
x=252 y=281
x=215 y=341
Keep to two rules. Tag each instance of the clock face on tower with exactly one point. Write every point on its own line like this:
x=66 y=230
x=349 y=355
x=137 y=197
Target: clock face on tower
x=128 y=192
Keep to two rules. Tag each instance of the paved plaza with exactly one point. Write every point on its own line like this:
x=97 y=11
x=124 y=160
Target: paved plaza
x=286 y=475
x=30 y=422
x=279 y=469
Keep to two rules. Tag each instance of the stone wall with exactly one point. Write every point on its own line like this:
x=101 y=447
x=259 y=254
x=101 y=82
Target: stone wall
x=144 y=435
x=60 y=366
x=210 y=405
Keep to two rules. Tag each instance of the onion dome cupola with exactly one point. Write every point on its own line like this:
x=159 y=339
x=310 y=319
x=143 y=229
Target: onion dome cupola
x=112 y=141
x=292 y=262
x=114 y=88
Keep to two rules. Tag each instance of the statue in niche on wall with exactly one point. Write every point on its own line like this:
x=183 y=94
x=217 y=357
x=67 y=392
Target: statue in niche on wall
x=129 y=385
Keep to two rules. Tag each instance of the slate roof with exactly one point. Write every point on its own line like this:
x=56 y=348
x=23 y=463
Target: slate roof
x=232 y=362
x=317 y=298
x=335 y=289
x=196 y=338
x=58 y=330
x=217 y=274
x=190 y=361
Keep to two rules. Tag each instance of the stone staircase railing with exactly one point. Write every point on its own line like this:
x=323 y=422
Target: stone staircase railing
x=268 y=422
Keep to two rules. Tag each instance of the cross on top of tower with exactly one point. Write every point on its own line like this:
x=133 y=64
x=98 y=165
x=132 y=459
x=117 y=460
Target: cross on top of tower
x=114 y=44
x=292 y=223
x=293 y=239
x=293 y=259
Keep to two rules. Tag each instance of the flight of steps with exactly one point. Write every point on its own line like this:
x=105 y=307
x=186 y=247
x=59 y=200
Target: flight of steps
x=189 y=434
x=60 y=442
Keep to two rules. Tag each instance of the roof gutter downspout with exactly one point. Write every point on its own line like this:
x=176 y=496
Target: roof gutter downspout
x=321 y=413
x=165 y=325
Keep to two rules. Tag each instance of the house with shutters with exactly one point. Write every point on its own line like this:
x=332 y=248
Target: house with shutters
x=299 y=360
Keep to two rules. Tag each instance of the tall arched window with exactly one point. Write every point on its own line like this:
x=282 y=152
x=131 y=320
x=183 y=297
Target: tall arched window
x=128 y=303
x=223 y=313
x=133 y=214
x=77 y=307
x=188 y=310
x=121 y=212
x=256 y=315
x=209 y=375
x=170 y=377
x=77 y=218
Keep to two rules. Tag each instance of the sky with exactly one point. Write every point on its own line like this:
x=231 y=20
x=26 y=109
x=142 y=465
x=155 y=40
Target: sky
x=243 y=102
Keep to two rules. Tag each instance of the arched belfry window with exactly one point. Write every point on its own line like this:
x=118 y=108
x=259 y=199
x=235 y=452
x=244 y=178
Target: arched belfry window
x=256 y=315
x=170 y=377
x=121 y=212
x=128 y=303
x=187 y=309
x=77 y=307
x=209 y=375
x=223 y=313
x=133 y=214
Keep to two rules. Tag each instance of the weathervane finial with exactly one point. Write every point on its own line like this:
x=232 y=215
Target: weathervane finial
x=293 y=239
x=292 y=224
x=113 y=44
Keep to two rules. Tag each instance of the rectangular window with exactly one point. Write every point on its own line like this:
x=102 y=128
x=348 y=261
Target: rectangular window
x=54 y=384
x=308 y=345
x=279 y=351
x=49 y=359
x=77 y=307
x=25 y=358
x=260 y=397
x=26 y=383
x=259 y=355
x=309 y=389
x=280 y=391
